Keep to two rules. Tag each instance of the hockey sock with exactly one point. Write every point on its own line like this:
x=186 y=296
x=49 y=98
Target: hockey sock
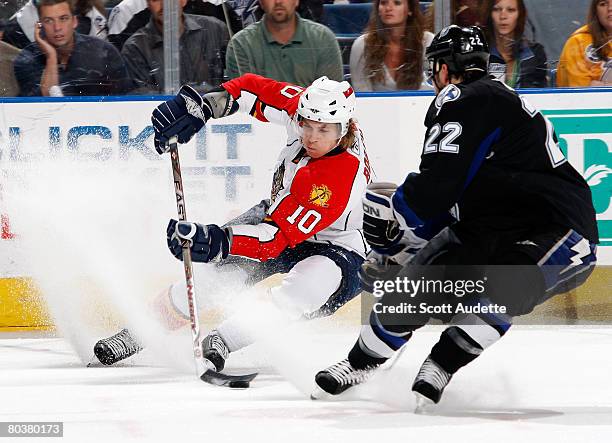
x=359 y=359
x=455 y=350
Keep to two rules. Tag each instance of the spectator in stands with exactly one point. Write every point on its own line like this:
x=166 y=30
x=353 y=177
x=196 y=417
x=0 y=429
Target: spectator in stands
x=8 y=84
x=390 y=55
x=518 y=62
x=250 y=11
x=131 y=15
x=465 y=13
x=202 y=48
x=63 y=62
x=586 y=59
x=285 y=47
x=19 y=30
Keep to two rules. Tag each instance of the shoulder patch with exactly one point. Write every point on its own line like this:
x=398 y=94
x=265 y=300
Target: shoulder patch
x=591 y=54
x=497 y=70
x=320 y=195
x=449 y=94
x=277 y=181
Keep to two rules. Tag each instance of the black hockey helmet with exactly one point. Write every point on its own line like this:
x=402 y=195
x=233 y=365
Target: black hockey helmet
x=461 y=49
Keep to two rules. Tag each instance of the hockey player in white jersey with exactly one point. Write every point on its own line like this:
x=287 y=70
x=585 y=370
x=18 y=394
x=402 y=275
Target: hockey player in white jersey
x=310 y=226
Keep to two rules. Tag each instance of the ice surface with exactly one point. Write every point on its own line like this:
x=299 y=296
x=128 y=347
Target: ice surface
x=535 y=385
x=93 y=240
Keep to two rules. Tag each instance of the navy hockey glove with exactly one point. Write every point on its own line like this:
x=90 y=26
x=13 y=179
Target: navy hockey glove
x=380 y=227
x=208 y=243
x=183 y=116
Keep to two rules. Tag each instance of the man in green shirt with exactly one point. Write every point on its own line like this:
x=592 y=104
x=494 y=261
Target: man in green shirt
x=285 y=47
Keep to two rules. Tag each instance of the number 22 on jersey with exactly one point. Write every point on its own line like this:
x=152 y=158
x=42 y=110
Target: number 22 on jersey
x=452 y=131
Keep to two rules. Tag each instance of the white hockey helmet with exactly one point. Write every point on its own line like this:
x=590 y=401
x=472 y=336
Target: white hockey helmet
x=328 y=101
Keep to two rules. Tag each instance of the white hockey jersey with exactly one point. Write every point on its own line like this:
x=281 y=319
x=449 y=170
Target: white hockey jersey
x=316 y=200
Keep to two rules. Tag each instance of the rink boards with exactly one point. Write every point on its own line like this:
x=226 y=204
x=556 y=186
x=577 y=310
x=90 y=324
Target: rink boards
x=230 y=162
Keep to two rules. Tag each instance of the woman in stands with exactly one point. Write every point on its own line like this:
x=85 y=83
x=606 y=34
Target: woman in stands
x=389 y=56
x=586 y=59
x=518 y=62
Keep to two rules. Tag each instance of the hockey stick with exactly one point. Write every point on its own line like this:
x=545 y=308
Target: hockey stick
x=203 y=371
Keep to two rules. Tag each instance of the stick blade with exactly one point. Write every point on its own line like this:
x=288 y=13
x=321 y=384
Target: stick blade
x=231 y=381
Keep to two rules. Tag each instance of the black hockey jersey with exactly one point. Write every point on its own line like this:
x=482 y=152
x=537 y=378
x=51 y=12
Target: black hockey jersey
x=493 y=160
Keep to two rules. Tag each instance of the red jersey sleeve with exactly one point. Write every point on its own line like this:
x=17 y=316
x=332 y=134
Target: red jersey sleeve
x=264 y=99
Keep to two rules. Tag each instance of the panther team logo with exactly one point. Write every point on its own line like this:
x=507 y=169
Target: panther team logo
x=320 y=195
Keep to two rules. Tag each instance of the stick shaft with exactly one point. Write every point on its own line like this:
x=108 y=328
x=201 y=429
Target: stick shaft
x=191 y=299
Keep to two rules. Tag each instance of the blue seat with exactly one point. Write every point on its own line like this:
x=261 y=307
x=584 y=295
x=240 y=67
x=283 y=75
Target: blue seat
x=347 y=19
x=352 y=18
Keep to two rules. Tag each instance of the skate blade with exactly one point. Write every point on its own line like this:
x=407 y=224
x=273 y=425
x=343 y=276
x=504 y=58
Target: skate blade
x=320 y=394
x=424 y=405
x=94 y=362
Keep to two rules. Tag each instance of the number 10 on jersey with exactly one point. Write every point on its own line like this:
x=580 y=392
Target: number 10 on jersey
x=307 y=222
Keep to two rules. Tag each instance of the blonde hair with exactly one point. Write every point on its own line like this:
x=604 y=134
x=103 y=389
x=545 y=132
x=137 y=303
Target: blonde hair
x=349 y=138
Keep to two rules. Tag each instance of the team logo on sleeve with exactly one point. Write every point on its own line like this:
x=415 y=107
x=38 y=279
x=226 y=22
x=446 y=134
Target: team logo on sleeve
x=277 y=181
x=448 y=94
x=320 y=195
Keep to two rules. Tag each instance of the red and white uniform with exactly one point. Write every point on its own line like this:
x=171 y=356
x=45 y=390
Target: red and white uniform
x=317 y=200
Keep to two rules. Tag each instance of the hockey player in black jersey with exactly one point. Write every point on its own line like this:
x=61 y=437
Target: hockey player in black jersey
x=494 y=197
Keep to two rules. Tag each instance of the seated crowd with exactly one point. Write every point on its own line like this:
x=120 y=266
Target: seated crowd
x=71 y=47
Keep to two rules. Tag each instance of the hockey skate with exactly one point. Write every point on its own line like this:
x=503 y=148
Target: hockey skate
x=429 y=385
x=215 y=350
x=116 y=348
x=338 y=378
x=214 y=353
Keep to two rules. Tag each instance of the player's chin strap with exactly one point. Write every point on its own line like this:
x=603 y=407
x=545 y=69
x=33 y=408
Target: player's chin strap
x=433 y=77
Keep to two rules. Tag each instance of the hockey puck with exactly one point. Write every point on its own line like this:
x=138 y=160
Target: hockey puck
x=239 y=384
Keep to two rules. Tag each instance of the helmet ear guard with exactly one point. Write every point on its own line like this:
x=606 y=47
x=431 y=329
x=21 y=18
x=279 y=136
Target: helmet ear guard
x=328 y=101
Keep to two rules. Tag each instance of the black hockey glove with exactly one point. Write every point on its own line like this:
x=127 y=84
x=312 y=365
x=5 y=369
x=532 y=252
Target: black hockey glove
x=374 y=268
x=380 y=227
x=208 y=243
x=183 y=116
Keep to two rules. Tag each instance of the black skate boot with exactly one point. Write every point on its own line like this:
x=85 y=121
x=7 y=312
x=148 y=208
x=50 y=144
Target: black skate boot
x=429 y=384
x=215 y=350
x=116 y=348
x=338 y=378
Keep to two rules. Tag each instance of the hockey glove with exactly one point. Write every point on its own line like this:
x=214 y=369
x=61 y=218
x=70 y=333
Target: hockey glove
x=207 y=243
x=374 y=268
x=183 y=116
x=383 y=267
x=380 y=227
